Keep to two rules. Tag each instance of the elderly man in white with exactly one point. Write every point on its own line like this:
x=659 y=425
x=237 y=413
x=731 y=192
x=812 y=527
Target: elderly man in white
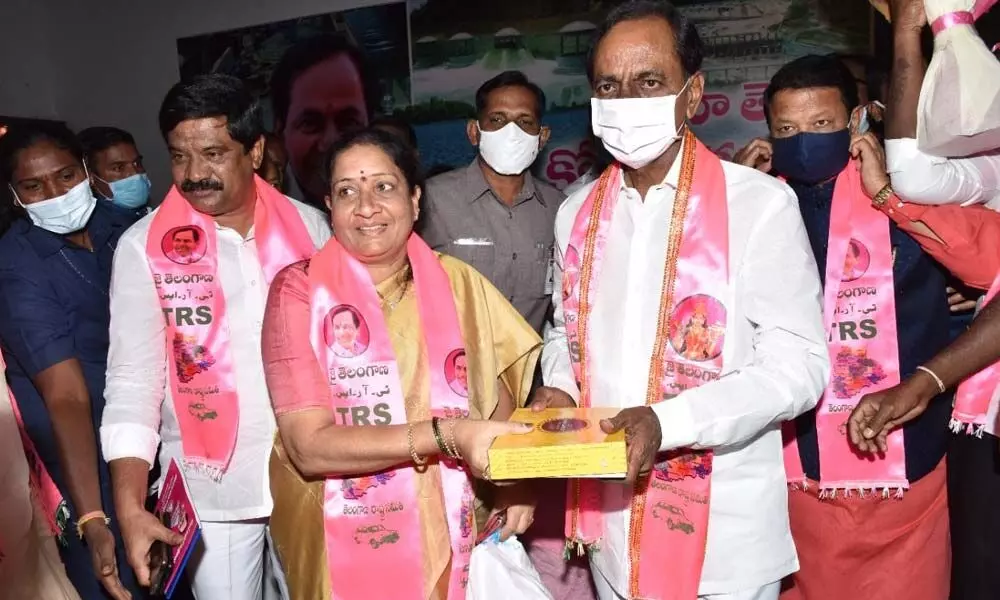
x=672 y=248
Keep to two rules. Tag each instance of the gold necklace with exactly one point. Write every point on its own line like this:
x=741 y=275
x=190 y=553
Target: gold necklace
x=390 y=305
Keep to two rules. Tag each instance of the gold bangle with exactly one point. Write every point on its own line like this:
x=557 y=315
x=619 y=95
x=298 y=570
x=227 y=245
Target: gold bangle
x=450 y=441
x=91 y=516
x=882 y=196
x=419 y=462
x=934 y=376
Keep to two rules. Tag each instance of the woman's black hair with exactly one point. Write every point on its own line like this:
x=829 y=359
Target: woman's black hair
x=398 y=150
x=19 y=139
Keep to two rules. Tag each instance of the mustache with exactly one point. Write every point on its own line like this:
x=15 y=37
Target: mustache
x=202 y=185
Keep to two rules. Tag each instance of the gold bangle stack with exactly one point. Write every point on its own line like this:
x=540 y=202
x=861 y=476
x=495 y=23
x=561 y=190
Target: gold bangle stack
x=446 y=444
x=436 y=428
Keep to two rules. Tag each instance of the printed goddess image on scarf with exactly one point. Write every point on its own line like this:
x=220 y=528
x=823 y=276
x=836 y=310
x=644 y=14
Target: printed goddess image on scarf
x=190 y=357
x=856 y=262
x=698 y=327
x=184 y=245
x=854 y=371
x=346 y=331
x=456 y=372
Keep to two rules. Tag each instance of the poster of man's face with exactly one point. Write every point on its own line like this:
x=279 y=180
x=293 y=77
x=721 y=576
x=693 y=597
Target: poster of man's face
x=318 y=77
x=423 y=60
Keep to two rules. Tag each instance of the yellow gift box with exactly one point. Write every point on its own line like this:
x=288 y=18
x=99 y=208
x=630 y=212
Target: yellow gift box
x=565 y=442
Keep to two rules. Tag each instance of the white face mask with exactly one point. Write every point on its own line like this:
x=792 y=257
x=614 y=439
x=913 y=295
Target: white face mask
x=62 y=214
x=509 y=150
x=636 y=131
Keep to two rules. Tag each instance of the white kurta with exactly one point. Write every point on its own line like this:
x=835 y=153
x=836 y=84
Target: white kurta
x=139 y=412
x=775 y=367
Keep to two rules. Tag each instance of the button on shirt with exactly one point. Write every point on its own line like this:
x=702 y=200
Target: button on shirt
x=140 y=410
x=510 y=245
x=775 y=367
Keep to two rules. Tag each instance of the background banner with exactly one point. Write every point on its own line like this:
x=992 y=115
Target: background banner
x=428 y=57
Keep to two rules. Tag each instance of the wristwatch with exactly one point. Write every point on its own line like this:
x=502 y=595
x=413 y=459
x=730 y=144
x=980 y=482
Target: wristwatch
x=882 y=196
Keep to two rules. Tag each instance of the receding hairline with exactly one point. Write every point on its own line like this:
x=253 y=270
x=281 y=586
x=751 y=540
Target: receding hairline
x=672 y=43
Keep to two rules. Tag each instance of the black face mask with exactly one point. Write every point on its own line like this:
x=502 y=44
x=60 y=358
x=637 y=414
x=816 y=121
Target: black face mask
x=811 y=157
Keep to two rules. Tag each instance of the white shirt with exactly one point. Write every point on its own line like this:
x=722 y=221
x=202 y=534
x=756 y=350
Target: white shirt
x=139 y=412
x=775 y=366
x=924 y=179
x=591 y=175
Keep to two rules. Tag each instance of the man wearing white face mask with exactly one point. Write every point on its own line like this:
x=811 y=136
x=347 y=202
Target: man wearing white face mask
x=116 y=170
x=686 y=296
x=497 y=217
x=493 y=214
x=55 y=271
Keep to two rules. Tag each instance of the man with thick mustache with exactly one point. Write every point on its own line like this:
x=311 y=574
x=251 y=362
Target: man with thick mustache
x=184 y=367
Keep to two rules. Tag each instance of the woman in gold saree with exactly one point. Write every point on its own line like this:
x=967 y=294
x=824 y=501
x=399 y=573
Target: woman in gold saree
x=373 y=499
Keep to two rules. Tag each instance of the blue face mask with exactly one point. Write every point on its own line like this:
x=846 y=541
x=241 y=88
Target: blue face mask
x=811 y=157
x=131 y=192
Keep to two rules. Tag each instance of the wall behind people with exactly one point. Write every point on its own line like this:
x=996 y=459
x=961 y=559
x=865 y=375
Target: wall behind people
x=109 y=63
x=26 y=84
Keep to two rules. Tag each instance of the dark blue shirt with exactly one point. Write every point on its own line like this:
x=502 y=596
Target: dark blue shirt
x=54 y=307
x=922 y=323
x=130 y=215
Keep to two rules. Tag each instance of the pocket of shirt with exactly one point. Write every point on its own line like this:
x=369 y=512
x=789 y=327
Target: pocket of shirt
x=534 y=279
x=480 y=253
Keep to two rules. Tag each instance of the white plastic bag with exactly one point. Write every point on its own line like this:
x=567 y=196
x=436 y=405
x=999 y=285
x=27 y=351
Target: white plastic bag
x=503 y=571
x=959 y=110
